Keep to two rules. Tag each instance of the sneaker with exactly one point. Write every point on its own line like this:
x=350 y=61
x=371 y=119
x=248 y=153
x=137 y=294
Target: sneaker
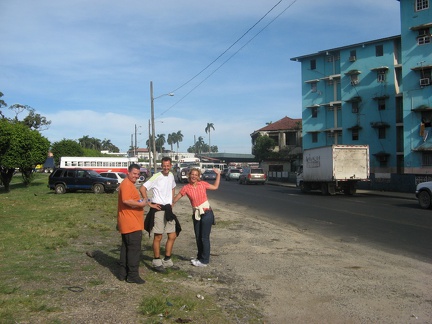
x=157 y=265
x=193 y=260
x=137 y=280
x=198 y=263
x=167 y=263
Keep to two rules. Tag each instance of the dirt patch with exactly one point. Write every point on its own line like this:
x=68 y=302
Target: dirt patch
x=260 y=271
x=293 y=276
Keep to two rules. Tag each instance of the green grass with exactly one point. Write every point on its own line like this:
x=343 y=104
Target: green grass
x=43 y=240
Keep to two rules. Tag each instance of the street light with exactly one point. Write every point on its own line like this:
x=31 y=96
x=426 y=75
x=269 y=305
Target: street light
x=152 y=99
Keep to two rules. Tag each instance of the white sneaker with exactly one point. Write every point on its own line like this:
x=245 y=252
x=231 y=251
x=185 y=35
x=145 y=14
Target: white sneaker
x=167 y=263
x=197 y=263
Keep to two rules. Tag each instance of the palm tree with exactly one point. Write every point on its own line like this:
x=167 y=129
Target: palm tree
x=199 y=145
x=85 y=141
x=160 y=141
x=171 y=139
x=178 y=139
x=207 y=130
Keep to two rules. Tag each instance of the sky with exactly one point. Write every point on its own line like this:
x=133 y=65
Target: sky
x=87 y=65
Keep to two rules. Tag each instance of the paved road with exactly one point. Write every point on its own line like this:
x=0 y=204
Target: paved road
x=389 y=221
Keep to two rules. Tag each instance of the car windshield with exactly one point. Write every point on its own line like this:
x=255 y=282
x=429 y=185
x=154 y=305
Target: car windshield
x=209 y=171
x=122 y=175
x=235 y=171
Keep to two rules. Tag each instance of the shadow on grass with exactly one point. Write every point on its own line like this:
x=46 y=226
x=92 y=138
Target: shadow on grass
x=105 y=260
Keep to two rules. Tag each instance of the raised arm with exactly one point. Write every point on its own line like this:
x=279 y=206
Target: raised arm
x=217 y=181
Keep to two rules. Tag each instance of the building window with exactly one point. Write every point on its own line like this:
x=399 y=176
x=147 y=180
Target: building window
x=313 y=86
x=381 y=104
x=353 y=56
x=381 y=133
x=424 y=36
x=379 y=50
x=314 y=137
x=314 y=112
x=381 y=75
x=425 y=78
x=355 y=107
x=422 y=4
x=312 y=64
x=355 y=134
x=354 y=79
x=427 y=159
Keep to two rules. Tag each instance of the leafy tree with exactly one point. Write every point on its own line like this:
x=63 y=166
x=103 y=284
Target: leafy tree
x=2 y=104
x=263 y=148
x=22 y=148
x=32 y=120
x=208 y=129
x=66 y=147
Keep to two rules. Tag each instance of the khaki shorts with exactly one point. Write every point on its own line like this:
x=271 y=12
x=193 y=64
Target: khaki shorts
x=161 y=225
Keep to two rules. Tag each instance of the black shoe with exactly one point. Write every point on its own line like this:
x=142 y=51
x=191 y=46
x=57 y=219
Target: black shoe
x=159 y=269
x=137 y=280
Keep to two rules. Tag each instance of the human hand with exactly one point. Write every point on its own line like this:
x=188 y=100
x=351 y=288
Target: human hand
x=217 y=170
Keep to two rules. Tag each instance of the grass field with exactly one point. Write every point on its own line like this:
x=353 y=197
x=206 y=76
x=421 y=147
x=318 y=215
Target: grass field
x=43 y=241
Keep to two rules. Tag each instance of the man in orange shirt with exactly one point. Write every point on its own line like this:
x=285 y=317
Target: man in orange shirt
x=130 y=223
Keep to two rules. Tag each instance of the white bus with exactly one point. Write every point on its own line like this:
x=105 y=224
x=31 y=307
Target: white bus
x=98 y=164
x=210 y=165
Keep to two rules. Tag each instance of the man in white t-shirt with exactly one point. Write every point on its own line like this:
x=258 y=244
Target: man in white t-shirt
x=163 y=186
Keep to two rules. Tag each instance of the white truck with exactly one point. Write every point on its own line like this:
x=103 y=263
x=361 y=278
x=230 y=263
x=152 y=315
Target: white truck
x=334 y=168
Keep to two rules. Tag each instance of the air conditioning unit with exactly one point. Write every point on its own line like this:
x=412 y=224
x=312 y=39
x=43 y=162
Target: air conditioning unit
x=424 y=82
x=352 y=58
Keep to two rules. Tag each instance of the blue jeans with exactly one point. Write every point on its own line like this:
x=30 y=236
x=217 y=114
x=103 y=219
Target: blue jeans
x=202 y=230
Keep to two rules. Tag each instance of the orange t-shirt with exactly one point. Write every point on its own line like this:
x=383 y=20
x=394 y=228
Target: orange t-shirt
x=129 y=219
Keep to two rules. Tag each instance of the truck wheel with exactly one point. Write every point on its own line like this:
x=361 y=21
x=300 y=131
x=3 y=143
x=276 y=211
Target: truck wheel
x=331 y=189
x=324 y=189
x=424 y=199
x=302 y=187
x=98 y=188
x=60 y=189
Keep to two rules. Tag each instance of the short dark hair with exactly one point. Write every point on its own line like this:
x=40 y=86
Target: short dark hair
x=167 y=158
x=134 y=166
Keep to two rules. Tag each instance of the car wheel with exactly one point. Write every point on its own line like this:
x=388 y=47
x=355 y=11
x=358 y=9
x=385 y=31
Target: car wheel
x=98 y=188
x=60 y=189
x=424 y=199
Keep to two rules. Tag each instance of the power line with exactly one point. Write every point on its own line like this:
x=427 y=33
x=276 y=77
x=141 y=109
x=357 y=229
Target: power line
x=231 y=56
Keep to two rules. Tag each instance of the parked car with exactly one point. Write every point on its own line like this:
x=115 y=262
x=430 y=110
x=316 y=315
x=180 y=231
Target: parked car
x=224 y=172
x=64 y=180
x=209 y=175
x=119 y=176
x=252 y=175
x=232 y=174
x=144 y=175
x=424 y=194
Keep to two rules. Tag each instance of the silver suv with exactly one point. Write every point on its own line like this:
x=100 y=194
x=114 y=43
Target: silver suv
x=252 y=175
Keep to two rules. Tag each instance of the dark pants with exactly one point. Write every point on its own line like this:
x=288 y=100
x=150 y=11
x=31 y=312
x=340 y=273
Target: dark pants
x=130 y=255
x=202 y=230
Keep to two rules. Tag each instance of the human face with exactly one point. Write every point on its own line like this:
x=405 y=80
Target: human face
x=133 y=175
x=194 y=177
x=166 y=167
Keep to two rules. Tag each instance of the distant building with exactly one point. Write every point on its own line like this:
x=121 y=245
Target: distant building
x=287 y=133
x=377 y=92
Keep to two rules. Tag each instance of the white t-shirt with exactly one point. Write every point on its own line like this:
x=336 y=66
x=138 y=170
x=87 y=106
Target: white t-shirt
x=162 y=187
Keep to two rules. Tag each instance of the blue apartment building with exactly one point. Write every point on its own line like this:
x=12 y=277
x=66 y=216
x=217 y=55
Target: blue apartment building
x=379 y=93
